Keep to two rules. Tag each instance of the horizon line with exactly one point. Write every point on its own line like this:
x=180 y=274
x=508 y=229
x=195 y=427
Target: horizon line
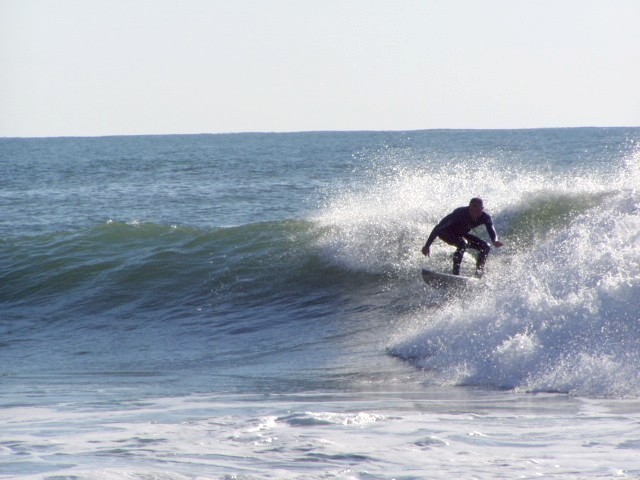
x=290 y=132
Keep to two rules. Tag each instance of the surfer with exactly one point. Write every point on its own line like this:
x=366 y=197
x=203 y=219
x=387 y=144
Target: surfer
x=454 y=230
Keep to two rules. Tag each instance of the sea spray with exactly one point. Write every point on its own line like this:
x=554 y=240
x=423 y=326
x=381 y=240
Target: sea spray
x=558 y=310
x=558 y=300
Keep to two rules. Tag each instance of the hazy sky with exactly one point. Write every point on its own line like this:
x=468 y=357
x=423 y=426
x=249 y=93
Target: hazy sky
x=103 y=67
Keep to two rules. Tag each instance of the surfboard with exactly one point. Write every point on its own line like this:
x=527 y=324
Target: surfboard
x=440 y=279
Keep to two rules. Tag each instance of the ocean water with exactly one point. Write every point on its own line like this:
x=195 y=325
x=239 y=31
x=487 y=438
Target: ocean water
x=250 y=306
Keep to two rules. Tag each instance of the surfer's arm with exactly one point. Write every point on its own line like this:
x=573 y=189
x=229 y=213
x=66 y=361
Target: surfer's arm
x=430 y=240
x=444 y=223
x=432 y=236
x=493 y=234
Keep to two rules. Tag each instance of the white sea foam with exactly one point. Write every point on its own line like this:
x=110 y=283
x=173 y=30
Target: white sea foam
x=458 y=434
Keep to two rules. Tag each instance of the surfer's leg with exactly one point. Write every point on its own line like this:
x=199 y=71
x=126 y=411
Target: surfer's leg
x=482 y=247
x=457 y=260
x=461 y=245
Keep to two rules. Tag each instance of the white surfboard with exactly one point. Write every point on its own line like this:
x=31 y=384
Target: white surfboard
x=439 y=279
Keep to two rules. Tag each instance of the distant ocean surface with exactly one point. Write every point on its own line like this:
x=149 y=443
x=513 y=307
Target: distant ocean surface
x=250 y=306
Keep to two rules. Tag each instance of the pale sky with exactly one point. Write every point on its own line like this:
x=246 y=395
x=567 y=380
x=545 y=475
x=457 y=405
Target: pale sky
x=107 y=67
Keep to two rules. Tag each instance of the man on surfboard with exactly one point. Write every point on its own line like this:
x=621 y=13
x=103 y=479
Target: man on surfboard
x=454 y=230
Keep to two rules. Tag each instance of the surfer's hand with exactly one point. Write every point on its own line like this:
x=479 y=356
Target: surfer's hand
x=498 y=244
x=426 y=251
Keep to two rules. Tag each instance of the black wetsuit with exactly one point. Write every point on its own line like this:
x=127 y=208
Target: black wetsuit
x=453 y=229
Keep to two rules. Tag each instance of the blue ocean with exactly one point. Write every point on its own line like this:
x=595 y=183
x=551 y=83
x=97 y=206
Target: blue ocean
x=250 y=306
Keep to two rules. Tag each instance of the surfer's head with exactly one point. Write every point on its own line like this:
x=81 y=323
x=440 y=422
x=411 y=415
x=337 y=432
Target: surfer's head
x=476 y=207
